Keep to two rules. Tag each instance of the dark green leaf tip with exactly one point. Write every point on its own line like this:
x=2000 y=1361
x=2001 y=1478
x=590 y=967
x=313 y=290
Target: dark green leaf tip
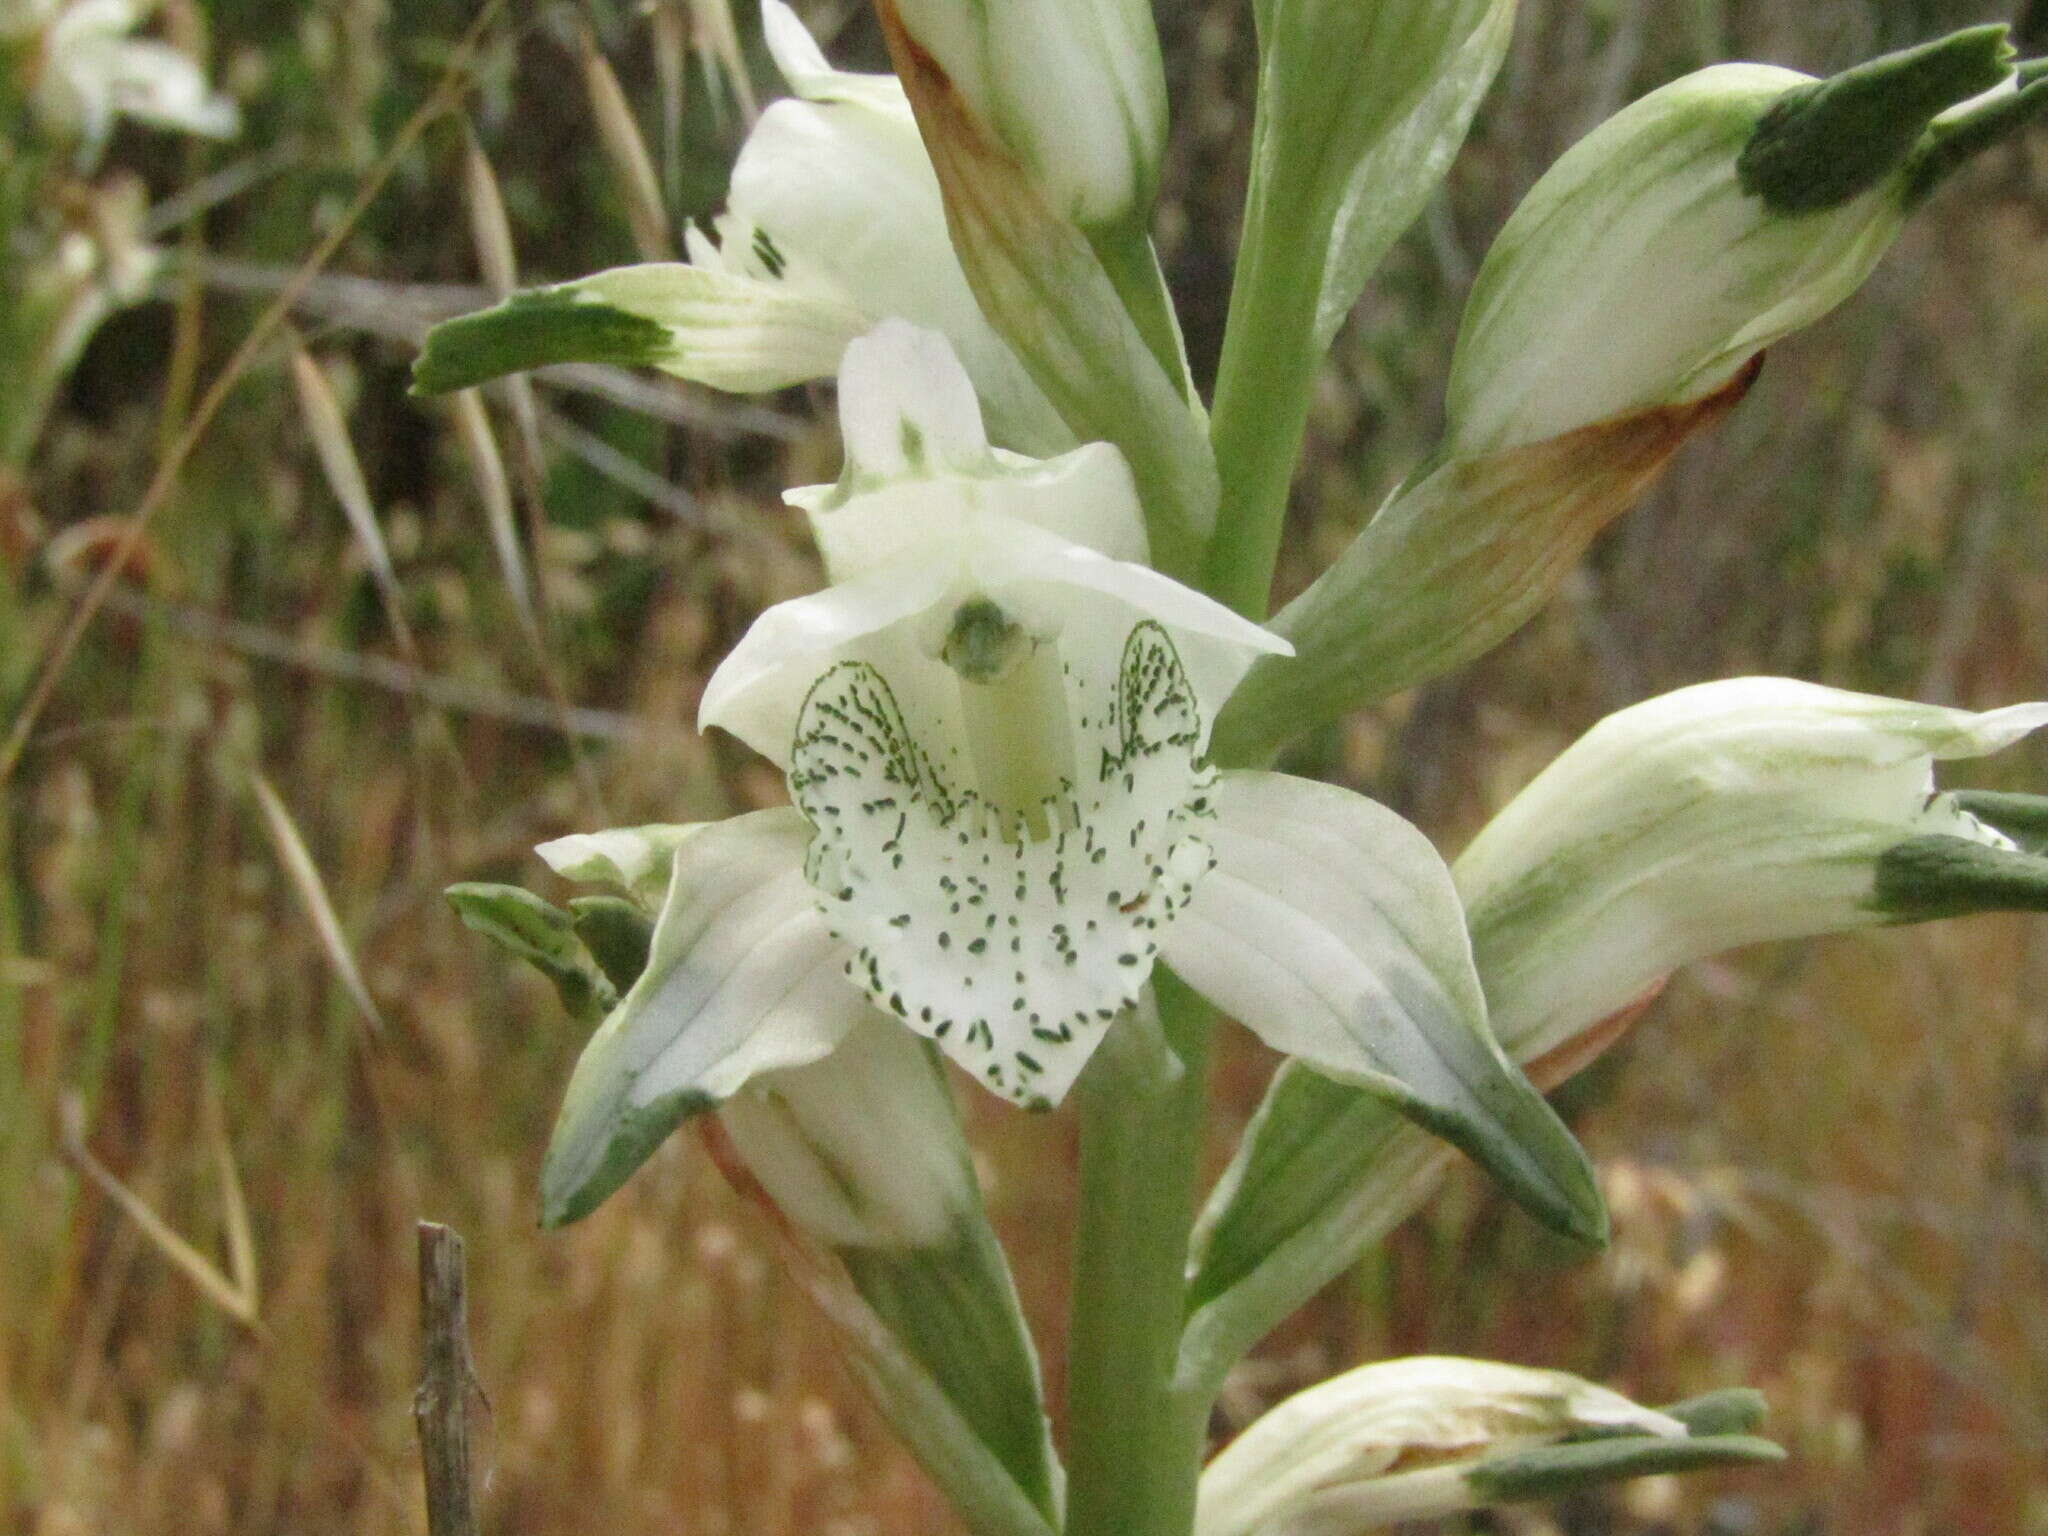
x=535 y=329
x=1732 y=1411
x=1938 y=876
x=1955 y=144
x=617 y=934
x=570 y=1191
x=1558 y=1470
x=1531 y=1154
x=1822 y=144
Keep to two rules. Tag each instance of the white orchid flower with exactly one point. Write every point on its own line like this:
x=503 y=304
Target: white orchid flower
x=90 y=72
x=1394 y=1441
x=1720 y=815
x=833 y=223
x=993 y=724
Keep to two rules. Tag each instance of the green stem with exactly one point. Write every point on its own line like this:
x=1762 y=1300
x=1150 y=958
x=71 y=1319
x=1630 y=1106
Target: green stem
x=1134 y=1440
x=1264 y=385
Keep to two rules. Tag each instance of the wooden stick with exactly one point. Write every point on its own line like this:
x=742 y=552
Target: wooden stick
x=440 y=1408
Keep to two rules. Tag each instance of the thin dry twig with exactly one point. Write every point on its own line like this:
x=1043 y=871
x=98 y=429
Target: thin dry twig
x=388 y=673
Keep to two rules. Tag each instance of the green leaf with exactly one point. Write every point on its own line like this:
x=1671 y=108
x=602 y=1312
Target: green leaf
x=542 y=935
x=1556 y=1471
x=1458 y=559
x=956 y=1310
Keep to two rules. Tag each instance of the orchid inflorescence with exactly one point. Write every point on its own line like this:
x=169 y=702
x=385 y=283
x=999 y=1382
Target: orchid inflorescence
x=1025 y=724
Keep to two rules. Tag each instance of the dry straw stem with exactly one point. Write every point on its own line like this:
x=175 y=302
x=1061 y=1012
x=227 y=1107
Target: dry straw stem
x=446 y=90
x=236 y=1296
x=305 y=877
x=627 y=151
x=328 y=428
x=494 y=488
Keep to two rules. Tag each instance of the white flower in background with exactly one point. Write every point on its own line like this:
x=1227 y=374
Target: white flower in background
x=1393 y=1441
x=89 y=71
x=1074 y=89
x=1719 y=815
x=993 y=722
x=833 y=223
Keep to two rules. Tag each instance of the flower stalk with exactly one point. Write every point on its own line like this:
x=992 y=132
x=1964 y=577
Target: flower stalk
x=1134 y=1432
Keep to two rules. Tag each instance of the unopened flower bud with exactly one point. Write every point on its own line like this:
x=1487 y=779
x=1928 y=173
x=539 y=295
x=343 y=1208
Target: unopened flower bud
x=1073 y=89
x=1344 y=1455
x=1692 y=230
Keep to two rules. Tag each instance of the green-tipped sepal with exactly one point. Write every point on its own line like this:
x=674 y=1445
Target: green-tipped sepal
x=1824 y=143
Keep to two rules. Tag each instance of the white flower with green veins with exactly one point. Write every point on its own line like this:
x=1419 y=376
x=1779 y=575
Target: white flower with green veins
x=994 y=723
x=833 y=222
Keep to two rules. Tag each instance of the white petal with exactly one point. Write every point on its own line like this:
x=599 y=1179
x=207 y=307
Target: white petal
x=1013 y=955
x=155 y=83
x=1330 y=927
x=906 y=406
x=802 y=63
x=727 y=330
x=742 y=978
x=862 y=1149
x=1086 y=497
x=849 y=191
x=1057 y=582
x=633 y=859
x=759 y=688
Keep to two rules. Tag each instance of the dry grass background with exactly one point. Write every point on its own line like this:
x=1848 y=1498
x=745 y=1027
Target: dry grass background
x=1828 y=1163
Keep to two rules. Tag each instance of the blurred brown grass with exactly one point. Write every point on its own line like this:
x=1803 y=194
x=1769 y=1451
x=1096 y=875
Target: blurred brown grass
x=1829 y=1163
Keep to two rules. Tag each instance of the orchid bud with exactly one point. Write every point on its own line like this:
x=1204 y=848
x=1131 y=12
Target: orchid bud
x=1692 y=230
x=1429 y=1437
x=1072 y=89
x=1722 y=815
